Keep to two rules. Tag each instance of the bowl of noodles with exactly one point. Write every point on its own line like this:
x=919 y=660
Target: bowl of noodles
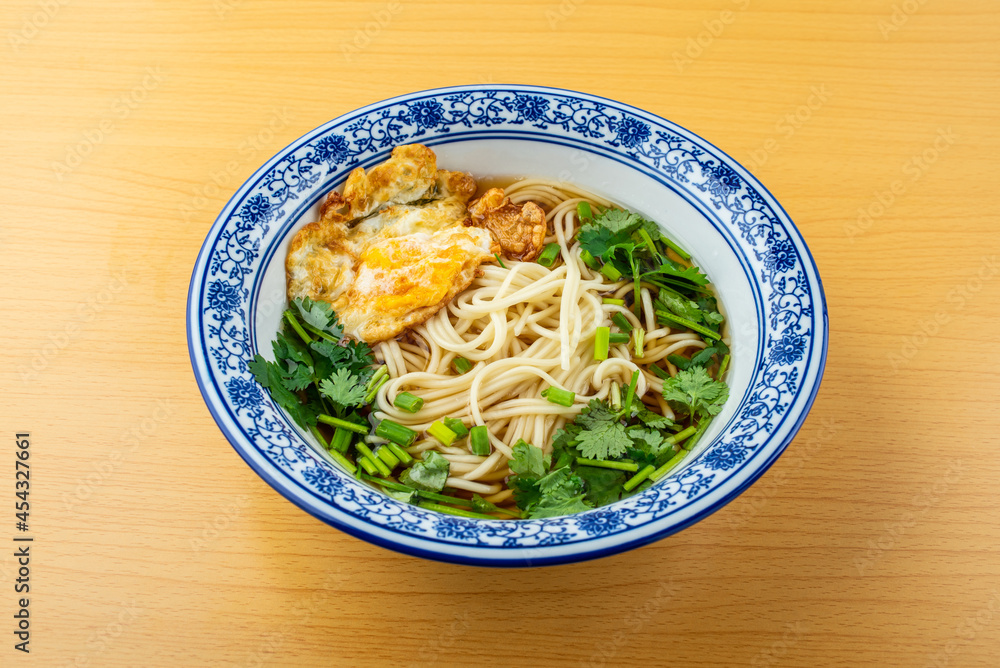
x=506 y=325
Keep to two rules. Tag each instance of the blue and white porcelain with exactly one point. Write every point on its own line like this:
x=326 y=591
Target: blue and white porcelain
x=740 y=236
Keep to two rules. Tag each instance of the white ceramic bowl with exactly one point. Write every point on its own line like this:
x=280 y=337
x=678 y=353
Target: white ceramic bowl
x=709 y=204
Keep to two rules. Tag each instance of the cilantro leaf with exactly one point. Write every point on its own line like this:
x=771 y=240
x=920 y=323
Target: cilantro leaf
x=654 y=420
x=610 y=230
x=668 y=300
x=679 y=361
x=557 y=506
x=526 y=492
x=618 y=221
x=354 y=356
x=648 y=439
x=359 y=356
x=561 y=493
x=320 y=315
x=603 y=486
x=696 y=392
x=528 y=460
x=291 y=348
x=596 y=432
x=649 y=447
x=596 y=240
x=603 y=441
x=335 y=353
x=563 y=445
x=343 y=388
x=674 y=270
x=713 y=317
x=595 y=413
x=710 y=307
x=293 y=364
x=298 y=377
x=271 y=376
x=430 y=474
x=703 y=357
x=641 y=457
x=261 y=370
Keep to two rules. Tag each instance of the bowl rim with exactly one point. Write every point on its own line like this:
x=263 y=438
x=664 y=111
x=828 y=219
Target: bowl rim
x=516 y=557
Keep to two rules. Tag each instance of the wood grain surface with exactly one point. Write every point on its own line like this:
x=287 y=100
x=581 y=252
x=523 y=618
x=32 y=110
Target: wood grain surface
x=875 y=539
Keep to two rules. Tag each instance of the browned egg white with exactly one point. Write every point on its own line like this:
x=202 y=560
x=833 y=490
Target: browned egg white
x=399 y=243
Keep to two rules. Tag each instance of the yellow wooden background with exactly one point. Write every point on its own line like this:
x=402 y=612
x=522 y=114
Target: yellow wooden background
x=874 y=541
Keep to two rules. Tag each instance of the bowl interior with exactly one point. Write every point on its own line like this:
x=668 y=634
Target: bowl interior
x=701 y=233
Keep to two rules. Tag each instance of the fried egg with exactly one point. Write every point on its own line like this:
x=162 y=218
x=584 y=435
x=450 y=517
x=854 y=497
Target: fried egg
x=393 y=248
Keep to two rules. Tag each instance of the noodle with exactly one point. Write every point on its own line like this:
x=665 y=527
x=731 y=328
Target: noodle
x=524 y=327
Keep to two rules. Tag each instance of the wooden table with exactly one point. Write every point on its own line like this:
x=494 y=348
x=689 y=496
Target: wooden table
x=872 y=542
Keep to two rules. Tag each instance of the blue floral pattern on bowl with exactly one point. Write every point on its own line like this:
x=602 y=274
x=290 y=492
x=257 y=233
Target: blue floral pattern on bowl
x=220 y=304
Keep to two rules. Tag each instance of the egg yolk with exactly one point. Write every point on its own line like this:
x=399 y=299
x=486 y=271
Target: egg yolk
x=407 y=277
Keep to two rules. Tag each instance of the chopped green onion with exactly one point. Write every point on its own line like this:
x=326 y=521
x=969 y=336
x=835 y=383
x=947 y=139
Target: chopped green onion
x=402 y=455
x=674 y=461
x=343 y=461
x=611 y=272
x=681 y=435
x=497 y=256
x=549 y=255
x=319 y=437
x=616 y=396
x=433 y=496
x=622 y=322
x=509 y=511
x=337 y=422
x=293 y=321
x=386 y=455
x=479 y=440
x=602 y=343
x=368 y=454
x=693 y=441
x=395 y=432
x=584 y=213
x=630 y=395
x=613 y=302
x=632 y=482
x=659 y=371
x=608 y=464
x=376 y=378
x=456 y=426
x=557 y=395
x=408 y=402
x=370 y=397
x=722 y=368
x=640 y=338
x=461 y=365
x=589 y=259
x=336 y=453
x=648 y=240
x=367 y=465
x=616 y=338
x=442 y=433
x=684 y=322
x=341 y=440
x=448 y=510
x=677 y=249
x=388 y=484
